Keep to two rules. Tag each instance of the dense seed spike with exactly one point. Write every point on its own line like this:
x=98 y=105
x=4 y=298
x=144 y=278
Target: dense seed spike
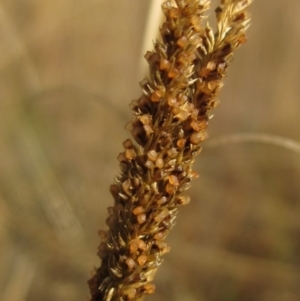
x=187 y=69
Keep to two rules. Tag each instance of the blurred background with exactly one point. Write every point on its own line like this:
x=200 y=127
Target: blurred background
x=68 y=70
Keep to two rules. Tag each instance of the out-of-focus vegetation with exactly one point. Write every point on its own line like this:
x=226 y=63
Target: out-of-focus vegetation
x=68 y=70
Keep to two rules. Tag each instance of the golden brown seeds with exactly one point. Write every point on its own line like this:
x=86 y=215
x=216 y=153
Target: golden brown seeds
x=131 y=293
x=182 y=41
x=122 y=157
x=164 y=64
x=160 y=235
x=197 y=137
x=152 y=155
x=181 y=142
x=198 y=125
x=130 y=154
x=173 y=180
x=149 y=164
x=138 y=210
x=193 y=174
x=130 y=263
x=195 y=20
x=133 y=247
x=141 y=218
x=174 y=12
x=127 y=186
x=170 y=189
x=156 y=96
x=148 y=129
x=162 y=215
x=172 y=101
x=172 y=152
x=160 y=163
x=162 y=200
x=149 y=288
x=173 y=73
x=127 y=144
x=212 y=85
x=183 y=200
x=142 y=245
x=182 y=115
x=145 y=119
x=142 y=260
x=163 y=246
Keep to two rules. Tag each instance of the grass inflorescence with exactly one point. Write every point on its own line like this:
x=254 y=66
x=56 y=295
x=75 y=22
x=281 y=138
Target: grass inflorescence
x=187 y=68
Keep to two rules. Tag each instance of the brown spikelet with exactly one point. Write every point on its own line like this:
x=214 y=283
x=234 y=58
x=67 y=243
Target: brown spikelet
x=187 y=68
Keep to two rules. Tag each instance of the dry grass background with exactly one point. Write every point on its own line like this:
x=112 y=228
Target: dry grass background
x=68 y=70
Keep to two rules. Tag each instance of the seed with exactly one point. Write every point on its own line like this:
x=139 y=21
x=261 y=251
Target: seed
x=183 y=200
x=164 y=64
x=174 y=12
x=197 y=137
x=183 y=98
x=130 y=263
x=172 y=101
x=133 y=247
x=130 y=154
x=156 y=96
x=182 y=115
x=136 y=182
x=126 y=185
x=162 y=215
x=127 y=144
x=196 y=23
x=199 y=125
x=160 y=163
x=131 y=293
x=163 y=247
x=149 y=288
x=148 y=129
x=182 y=42
x=162 y=200
x=142 y=245
x=215 y=103
x=195 y=113
x=138 y=210
x=160 y=235
x=172 y=152
x=181 y=143
x=182 y=59
x=168 y=5
x=122 y=157
x=141 y=218
x=173 y=180
x=194 y=174
x=152 y=155
x=145 y=119
x=212 y=84
x=173 y=73
x=142 y=259
x=149 y=164
x=170 y=189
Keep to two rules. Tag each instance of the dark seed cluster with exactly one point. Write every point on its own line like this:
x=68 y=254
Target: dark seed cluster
x=187 y=68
